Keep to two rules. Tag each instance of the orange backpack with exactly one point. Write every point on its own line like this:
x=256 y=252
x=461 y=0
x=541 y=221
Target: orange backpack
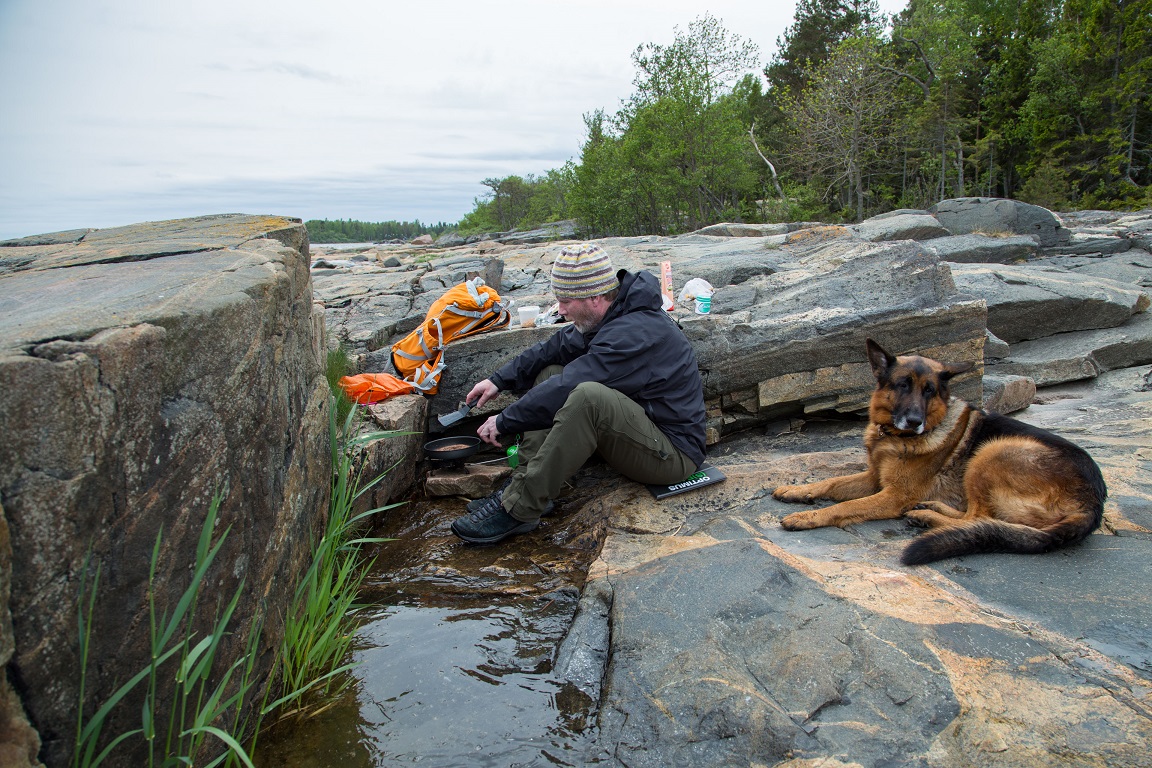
x=464 y=310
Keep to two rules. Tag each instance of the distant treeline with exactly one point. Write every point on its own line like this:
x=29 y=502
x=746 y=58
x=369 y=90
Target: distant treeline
x=349 y=231
x=858 y=113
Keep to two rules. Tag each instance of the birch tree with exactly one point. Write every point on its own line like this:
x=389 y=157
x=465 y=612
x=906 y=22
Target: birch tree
x=840 y=127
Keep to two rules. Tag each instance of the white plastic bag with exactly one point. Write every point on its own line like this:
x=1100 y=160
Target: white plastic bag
x=695 y=287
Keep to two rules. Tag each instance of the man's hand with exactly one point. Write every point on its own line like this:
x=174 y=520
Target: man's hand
x=482 y=393
x=487 y=431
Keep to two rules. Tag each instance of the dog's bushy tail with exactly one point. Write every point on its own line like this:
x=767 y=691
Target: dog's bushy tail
x=991 y=535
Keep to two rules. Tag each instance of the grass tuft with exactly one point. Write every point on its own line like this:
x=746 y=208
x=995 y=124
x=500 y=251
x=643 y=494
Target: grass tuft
x=320 y=625
x=311 y=663
x=195 y=707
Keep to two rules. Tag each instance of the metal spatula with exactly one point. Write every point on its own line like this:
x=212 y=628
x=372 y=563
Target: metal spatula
x=451 y=418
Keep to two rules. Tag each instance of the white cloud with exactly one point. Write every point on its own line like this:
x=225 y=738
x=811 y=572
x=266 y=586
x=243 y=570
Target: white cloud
x=129 y=110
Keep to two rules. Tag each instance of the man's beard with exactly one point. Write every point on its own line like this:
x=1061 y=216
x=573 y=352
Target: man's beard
x=583 y=319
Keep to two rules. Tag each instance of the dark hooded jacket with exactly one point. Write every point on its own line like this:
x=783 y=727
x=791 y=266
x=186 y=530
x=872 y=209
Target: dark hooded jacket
x=637 y=350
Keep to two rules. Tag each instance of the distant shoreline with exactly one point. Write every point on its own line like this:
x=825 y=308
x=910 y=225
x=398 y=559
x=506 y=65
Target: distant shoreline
x=342 y=246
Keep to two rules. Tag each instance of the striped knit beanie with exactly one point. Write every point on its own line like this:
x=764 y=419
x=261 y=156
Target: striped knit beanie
x=582 y=271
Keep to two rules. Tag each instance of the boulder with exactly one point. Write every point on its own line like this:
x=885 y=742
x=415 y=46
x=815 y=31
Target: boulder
x=900 y=212
x=1007 y=393
x=992 y=216
x=744 y=230
x=798 y=340
x=1028 y=302
x=1082 y=243
x=906 y=226
x=472 y=481
x=1135 y=227
x=1133 y=267
x=450 y=239
x=994 y=348
x=364 y=308
x=424 y=239
x=1080 y=354
x=147 y=368
x=983 y=249
x=549 y=232
x=395 y=456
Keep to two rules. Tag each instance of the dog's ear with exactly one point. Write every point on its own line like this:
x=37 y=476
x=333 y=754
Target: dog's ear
x=881 y=361
x=953 y=369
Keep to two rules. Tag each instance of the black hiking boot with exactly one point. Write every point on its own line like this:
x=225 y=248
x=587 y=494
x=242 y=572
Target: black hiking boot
x=475 y=504
x=490 y=524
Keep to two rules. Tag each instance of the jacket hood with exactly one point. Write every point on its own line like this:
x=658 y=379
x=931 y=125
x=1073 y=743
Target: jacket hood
x=638 y=291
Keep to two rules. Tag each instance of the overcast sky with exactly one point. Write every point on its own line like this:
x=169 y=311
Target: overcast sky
x=120 y=111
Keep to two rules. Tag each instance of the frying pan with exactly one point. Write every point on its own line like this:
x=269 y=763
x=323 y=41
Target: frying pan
x=451 y=448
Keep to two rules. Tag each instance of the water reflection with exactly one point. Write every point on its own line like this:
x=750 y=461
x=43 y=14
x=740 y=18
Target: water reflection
x=441 y=687
x=446 y=686
x=455 y=658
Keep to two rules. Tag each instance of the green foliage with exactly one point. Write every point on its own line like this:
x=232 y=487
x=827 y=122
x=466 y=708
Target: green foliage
x=320 y=623
x=174 y=730
x=819 y=26
x=839 y=125
x=1089 y=107
x=1048 y=187
x=481 y=219
x=311 y=663
x=516 y=203
x=676 y=156
x=958 y=98
x=338 y=365
x=349 y=231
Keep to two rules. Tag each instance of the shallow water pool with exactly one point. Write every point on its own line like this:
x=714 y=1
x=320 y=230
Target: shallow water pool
x=455 y=655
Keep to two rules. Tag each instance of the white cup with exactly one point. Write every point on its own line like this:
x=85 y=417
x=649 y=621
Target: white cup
x=528 y=316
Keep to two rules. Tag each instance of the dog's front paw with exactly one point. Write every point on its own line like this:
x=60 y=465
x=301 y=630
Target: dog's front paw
x=917 y=517
x=794 y=494
x=801 y=521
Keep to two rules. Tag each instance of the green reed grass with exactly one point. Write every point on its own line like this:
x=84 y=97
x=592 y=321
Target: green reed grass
x=337 y=365
x=175 y=730
x=320 y=626
x=318 y=634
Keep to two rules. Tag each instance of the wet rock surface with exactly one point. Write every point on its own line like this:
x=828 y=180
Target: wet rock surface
x=704 y=634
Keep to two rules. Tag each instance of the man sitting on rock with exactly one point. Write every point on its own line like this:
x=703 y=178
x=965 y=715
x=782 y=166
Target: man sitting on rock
x=620 y=381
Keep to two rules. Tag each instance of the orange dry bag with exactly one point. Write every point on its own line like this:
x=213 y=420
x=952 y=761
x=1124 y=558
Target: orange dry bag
x=368 y=388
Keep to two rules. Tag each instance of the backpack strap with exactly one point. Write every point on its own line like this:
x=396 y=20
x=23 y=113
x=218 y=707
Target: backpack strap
x=478 y=317
x=428 y=353
x=426 y=378
x=496 y=317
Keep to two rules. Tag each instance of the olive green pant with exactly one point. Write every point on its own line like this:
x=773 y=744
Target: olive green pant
x=594 y=419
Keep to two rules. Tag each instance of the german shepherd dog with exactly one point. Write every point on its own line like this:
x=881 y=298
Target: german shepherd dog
x=981 y=482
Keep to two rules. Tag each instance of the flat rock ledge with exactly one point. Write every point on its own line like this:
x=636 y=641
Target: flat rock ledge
x=710 y=636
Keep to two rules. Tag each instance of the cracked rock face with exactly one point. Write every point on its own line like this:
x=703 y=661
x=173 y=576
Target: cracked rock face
x=144 y=370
